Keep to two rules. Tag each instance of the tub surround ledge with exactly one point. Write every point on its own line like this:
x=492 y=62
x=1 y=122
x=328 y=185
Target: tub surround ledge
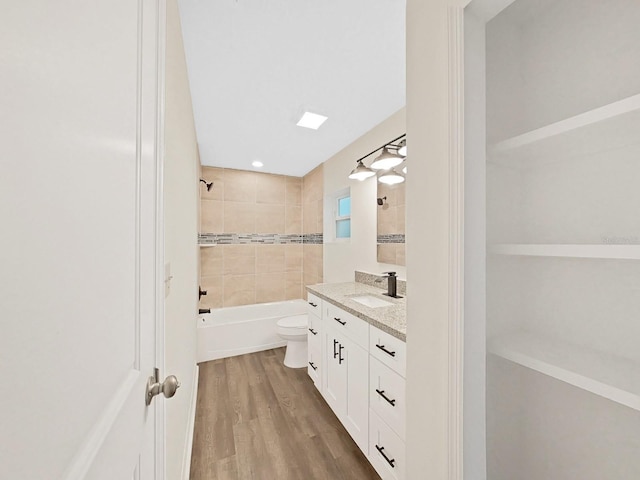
x=391 y=319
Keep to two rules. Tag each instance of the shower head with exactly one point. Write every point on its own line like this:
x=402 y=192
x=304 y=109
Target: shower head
x=381 y=200
x=209 y=185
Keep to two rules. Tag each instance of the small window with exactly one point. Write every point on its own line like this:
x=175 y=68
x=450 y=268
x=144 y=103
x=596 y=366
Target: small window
x=343 y=217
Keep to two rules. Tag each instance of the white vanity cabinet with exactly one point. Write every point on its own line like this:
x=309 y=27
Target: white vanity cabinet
x=347 y=373
x=314 y=340
x=360 y=369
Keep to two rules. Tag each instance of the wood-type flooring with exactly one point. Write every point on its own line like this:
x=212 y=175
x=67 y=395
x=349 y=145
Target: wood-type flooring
x=257 y=419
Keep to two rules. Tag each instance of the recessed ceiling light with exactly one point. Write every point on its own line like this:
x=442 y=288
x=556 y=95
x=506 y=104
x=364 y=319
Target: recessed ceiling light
x=257 y=163
x=311 y=120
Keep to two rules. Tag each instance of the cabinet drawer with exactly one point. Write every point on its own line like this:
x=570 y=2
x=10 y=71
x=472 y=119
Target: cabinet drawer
x=387 y=395
x=353 y=327
x=314 y=366
x=386 y=450
x=314 y=332
x=314 y=305
x=388 y=349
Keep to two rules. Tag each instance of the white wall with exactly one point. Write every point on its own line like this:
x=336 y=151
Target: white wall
x=181 y=251
x=341 y=259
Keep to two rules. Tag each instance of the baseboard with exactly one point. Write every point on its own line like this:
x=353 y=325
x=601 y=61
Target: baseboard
x=188 y=444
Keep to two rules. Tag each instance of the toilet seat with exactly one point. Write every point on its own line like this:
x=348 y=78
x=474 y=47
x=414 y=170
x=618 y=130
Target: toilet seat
x=296 y=322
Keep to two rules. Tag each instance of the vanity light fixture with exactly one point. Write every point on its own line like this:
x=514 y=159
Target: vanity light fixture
x=257 y=164
x=391 y=177
x=386 y=160
x=311 y=120
x=384 y=163
x=403 y=148
x=361 y=172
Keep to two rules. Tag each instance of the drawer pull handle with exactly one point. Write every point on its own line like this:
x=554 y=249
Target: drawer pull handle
x=340 y=321
x=335 y=354
x=313 y=366
x=314 y=305
x=313 y=331
x=340 y=357
x=381 y=347
x=381 y=393
x=390 y=461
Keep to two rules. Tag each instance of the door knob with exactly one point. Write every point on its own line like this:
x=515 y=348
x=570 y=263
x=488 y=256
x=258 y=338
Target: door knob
x=154 y=387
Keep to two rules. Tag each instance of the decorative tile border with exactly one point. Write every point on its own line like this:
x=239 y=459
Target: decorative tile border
x=313 y=238
x=379 y=281
x=258 y=238
x=391 y=238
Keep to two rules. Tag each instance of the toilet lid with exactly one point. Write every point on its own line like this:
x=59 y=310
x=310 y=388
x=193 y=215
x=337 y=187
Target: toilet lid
x=297 y=321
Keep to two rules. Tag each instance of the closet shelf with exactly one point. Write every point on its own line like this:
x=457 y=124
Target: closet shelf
x=614 y=378
x=207 y=245
x=624 y=252
x=612 y=126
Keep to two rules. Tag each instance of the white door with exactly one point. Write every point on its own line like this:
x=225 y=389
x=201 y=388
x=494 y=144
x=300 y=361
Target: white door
x=80 y=248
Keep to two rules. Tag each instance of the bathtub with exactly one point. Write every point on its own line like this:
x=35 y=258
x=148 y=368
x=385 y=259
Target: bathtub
x=230 y=331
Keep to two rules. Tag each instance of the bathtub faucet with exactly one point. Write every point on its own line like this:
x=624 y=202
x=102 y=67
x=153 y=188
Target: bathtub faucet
x=203 y=310
x=201 y=292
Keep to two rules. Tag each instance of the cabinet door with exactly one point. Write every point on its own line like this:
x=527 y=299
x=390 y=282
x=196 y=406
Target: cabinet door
x=335 y=371
x=356 y=417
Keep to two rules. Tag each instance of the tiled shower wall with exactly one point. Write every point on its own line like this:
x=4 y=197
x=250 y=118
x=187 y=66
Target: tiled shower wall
x=312 y=224
x=254 y=222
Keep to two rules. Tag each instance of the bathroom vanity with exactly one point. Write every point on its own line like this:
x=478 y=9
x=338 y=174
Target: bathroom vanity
x=357 y=362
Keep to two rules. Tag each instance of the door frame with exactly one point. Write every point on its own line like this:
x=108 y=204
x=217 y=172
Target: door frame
x=467 y=245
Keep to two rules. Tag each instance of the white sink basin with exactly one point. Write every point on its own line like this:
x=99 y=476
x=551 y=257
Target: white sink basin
x=371 y=301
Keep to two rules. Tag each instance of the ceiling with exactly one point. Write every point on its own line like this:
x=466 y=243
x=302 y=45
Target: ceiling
x=255 y=66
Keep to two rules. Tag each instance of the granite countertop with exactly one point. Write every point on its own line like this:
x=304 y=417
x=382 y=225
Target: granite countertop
x=391 y=319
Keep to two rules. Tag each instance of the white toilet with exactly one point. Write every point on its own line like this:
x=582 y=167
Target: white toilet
x=294 y=331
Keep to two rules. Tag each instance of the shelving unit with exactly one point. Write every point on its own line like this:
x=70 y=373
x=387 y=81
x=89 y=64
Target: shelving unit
x=560 y=303
x=605 y=128
x=623 y=252
x=605 y=375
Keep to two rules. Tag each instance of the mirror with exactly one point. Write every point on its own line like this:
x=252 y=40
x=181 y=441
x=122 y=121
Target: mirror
x=391 y=222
